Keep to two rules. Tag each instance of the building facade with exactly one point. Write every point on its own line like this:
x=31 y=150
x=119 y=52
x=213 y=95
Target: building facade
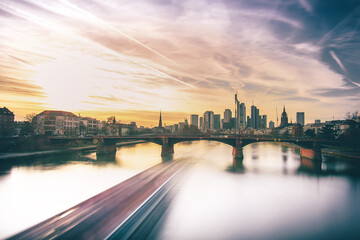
x=217 y=121
x=194 y=120
x=88 y=125
x=240 y=113
x=7 y=124
x=255 y=118
x=226 y=124
x=57 y=123
x=201 y=123
x=227 y=116
x=263 y=122
x=208 y=120
x=271 y=124
x=300 y=118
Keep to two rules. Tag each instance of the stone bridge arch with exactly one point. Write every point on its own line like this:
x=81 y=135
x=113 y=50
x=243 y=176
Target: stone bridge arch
x=308 y=148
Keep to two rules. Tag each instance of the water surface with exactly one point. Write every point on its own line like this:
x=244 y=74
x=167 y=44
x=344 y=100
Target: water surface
x=271 y=194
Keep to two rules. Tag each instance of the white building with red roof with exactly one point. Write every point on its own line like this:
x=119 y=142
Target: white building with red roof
x=51 y=122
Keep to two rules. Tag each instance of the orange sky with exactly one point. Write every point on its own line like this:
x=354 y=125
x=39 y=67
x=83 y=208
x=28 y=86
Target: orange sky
x=133 y=59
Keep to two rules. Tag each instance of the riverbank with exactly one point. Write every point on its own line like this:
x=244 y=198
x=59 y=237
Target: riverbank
x=30 y=154
x=342 y=152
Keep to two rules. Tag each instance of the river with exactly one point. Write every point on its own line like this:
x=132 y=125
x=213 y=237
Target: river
x=271 y=194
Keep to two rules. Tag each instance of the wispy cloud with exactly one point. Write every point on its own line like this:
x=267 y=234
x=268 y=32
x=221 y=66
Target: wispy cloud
x=306 y=5
x=335 y=57
x=183 y=55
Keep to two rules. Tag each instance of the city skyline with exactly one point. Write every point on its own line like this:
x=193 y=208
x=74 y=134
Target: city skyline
x=131 y=60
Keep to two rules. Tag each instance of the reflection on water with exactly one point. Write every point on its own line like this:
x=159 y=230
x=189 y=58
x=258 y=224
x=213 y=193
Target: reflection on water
x=272 y=198
x=32 y=190
x=271 y=194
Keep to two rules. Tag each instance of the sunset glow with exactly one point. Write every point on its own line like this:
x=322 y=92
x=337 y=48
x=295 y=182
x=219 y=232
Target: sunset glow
x=131 y=59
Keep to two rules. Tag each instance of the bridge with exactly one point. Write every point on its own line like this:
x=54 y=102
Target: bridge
x=106 y=145
x=129 y=209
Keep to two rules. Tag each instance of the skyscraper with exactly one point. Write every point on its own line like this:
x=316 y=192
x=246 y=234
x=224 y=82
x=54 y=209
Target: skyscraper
x=264 y=121
x=226 y=124
x=227 y=116
x=233 y=123
x=201 y=122
x=240 y=113
x=253 y=116
x=300 y=118
x=271 y=125
x=284 y=119
x=194 y=120
x=208 y=120
x=216 y=121
x=248 y=122
x=257 y=119
x=237 y=112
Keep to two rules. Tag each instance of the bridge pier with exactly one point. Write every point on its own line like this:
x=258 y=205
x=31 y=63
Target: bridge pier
x=106 y=148
x=313 y=154
x=308 y=165
x=167 y=148
x=238 y=164
x=238 y=150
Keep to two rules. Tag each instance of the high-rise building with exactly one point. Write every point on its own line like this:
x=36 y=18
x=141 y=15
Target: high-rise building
x=208 y=120
x=300 y=118
x=237 y=112
x=284 y=119
x=258 y=119
x=264 y=121
x=240 y=113
x=216 y=121
x=253 y=116
x=194 y=120
x=227 y=116
x=271 y=124
x=226 y=122
x=233 y=123
x=201 y=123
x=317 y=121
x=248 y=122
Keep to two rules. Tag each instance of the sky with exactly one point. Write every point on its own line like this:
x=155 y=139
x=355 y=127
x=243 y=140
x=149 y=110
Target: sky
x=133 y=58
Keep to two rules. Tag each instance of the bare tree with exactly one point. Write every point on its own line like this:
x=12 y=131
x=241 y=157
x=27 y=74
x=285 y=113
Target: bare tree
x=351 y=116
x=31 y=119
x=111 y=120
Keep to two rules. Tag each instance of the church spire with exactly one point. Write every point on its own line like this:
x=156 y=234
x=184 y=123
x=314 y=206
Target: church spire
x=284 y=119
x=160 y=121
